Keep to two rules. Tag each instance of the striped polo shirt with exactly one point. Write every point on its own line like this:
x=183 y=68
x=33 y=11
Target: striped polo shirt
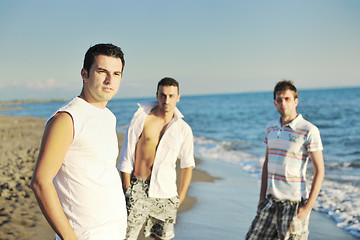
x=288 y=155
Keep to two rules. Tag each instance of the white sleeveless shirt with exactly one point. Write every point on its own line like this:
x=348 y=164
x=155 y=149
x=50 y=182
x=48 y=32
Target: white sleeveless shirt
x=88 y=183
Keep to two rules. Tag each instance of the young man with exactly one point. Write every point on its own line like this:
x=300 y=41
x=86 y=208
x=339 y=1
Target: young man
x=285 y=204
x=156 y=138
x=75 y=179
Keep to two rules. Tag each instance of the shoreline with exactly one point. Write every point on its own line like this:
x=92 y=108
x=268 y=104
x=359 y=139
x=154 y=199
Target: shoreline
x=227 y=207
x=20 y=215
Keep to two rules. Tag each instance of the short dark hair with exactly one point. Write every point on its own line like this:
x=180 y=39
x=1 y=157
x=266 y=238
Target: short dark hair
x=167 y=81
x=106 y=49
x=284 y=85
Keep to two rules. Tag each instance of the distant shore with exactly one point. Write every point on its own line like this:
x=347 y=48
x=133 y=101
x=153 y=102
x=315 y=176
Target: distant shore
x=20 y=216
x=23 y=101
x=13 y=104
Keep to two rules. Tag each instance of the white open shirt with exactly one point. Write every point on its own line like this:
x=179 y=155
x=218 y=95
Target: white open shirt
x=176 y=143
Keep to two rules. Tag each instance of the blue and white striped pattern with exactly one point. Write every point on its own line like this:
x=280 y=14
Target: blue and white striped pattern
x=288 y=154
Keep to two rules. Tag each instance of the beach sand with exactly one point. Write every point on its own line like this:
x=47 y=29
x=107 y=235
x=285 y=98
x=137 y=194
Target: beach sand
x=199 y=218
x=20 y=215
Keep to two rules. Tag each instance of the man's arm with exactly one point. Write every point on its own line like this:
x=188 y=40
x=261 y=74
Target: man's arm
x=185 y=179
x=319 y=172
x=57 y=138
x=264 y=177
x=125 y=178
x=125 y=161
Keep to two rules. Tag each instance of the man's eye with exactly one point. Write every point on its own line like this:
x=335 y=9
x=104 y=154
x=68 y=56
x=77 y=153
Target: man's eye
x=279 y=100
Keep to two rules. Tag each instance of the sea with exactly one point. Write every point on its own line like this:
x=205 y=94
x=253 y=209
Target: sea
x=229 y=130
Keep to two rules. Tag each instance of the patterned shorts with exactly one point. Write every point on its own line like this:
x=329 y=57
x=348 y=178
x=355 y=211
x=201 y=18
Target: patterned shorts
x=278 y=220
x=158 y=214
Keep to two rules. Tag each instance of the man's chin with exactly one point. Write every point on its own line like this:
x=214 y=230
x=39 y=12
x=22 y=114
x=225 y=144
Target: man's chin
x=167 y=109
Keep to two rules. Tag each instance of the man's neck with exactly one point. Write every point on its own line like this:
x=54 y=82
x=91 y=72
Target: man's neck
x=101 y=105
x=286 y=120
x=166 y=116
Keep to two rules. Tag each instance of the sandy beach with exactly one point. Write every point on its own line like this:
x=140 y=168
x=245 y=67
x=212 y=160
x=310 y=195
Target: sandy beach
x=200 y=216
x=20 y=216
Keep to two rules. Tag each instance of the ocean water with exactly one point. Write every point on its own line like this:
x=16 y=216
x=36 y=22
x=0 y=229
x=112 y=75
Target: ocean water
x=229 y=129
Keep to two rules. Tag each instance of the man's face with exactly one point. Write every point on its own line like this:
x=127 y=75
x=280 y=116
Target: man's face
x=167 y=97
x=102 y=82
x=286 y=104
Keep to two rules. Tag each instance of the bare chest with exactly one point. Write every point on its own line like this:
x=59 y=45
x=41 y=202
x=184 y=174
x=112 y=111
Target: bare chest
x=153 y=131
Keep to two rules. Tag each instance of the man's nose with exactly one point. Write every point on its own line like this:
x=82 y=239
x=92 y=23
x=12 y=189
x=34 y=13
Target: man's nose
x=108 y=79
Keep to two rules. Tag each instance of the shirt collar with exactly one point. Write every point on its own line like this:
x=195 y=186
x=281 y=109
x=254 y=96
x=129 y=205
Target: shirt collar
x=293 y=123
x=149 y=105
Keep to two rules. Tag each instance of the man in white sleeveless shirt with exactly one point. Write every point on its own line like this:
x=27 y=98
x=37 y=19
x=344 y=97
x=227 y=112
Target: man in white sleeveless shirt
x=75 y=180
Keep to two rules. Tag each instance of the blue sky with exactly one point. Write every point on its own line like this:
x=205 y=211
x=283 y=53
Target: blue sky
x=209 y=46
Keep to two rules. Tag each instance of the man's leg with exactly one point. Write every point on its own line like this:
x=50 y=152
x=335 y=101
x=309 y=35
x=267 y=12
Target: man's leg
x=297 y=229
x=156 y=238
x=264 y=225
x=159 y=229
x=161 y=222
x=137 y=204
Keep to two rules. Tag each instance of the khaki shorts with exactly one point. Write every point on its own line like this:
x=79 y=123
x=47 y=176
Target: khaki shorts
x=158 y=214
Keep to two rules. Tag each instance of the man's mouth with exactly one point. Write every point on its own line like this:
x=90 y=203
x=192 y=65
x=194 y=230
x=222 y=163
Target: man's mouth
x=107 y=89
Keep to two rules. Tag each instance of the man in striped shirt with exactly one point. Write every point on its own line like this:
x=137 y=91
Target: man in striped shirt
x=285 y=203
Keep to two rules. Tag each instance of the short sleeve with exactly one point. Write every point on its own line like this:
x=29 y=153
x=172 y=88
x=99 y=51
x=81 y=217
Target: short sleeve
x=313 y=141
x=186 y=155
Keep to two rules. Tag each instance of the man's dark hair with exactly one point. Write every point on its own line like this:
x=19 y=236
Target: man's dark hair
x=284 y=85
x=168 y=81
x=106 y=49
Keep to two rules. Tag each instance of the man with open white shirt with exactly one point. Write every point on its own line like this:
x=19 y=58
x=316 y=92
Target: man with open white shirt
x=156 y=138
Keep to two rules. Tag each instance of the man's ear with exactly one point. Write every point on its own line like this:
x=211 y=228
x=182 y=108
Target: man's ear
x=84 y=74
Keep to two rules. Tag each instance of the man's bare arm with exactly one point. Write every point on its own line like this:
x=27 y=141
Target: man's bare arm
x=264 y=177
x=57 y=138
x=185 y=179
x=125 y=178
x=319 y=172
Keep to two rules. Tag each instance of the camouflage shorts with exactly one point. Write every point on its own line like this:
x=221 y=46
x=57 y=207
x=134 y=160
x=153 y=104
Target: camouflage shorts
x=158 y=214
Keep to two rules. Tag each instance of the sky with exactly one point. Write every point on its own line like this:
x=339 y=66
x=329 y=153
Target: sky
x=210 y=47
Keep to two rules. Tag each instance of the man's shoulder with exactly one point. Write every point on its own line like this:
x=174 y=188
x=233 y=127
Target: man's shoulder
x=183 y=123
x=77 y=104
x=144 y=108
x=183 y=126
x=305 y=124
x=147 y=106
x=272 y=123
